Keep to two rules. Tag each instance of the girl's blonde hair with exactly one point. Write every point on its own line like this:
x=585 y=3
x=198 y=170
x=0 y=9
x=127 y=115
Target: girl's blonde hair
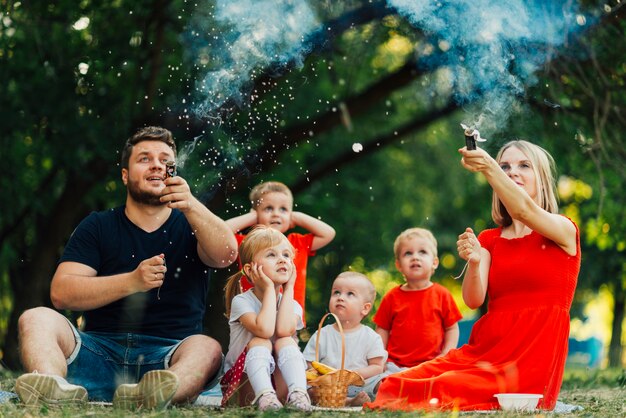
x=544 y=168
x=260 y=238
x=256 y=195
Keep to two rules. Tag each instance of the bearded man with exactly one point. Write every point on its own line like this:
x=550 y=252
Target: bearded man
x=140 y=274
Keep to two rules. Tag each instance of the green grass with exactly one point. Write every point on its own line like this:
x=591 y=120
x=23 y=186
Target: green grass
x=602 y=393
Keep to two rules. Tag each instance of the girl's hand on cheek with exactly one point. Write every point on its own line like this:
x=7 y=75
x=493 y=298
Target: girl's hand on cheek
x=292 y=278
x=261 y=279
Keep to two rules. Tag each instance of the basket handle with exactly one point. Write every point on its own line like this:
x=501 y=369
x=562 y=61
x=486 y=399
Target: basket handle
x=319 y=335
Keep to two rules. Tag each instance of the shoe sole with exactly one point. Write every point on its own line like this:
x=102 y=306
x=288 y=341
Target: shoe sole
x=36 y=389
x=155 y=390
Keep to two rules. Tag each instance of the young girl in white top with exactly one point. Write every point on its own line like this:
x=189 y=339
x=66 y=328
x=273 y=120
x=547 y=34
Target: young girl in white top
x=263 y=323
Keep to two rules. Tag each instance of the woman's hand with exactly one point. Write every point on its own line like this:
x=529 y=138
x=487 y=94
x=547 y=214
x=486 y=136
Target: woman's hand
x=468 y=246
x=477 y=160
x=476 y=277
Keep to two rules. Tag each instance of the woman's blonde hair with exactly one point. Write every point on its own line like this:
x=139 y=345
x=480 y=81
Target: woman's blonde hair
x=260 y=238
x=545 y=181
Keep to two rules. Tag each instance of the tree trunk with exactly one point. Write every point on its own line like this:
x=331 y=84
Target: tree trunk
x=615 y=346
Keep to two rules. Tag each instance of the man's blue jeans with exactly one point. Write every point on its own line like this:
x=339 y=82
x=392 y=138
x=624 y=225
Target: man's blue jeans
x=102 y=361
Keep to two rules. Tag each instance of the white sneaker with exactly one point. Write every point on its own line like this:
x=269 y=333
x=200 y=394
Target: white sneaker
x=299 y=399
x=155 y=390
x=267 y=401
x=36 y=389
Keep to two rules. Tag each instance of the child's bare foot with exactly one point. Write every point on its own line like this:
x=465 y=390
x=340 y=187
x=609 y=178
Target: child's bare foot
x=358 y=400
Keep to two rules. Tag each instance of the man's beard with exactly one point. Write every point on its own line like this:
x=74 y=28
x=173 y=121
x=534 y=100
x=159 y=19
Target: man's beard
x=143 y=197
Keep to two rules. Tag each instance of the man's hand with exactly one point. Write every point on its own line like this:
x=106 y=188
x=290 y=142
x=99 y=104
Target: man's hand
x=177 y=194
x=150 y=273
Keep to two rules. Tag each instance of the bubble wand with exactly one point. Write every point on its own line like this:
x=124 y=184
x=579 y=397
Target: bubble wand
x=170 y=169
x=471 y=136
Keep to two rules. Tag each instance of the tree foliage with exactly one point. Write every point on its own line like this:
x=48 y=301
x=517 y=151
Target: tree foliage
x=364 y=133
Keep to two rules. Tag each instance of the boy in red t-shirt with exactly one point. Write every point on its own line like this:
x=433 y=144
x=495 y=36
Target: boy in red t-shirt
x=417 y=320
x=272 y=205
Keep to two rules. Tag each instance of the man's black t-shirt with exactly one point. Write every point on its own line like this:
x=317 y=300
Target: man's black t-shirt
x=111 y=244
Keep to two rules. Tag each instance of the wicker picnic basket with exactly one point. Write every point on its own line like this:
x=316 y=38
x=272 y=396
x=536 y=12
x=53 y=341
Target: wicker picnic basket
x=332 y=388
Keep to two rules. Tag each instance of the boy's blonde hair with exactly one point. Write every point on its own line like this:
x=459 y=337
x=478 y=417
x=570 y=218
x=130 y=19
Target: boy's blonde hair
x=545 y=184
x=415 y=233
x=257 y=192
x=370 y=290
x=260 y=238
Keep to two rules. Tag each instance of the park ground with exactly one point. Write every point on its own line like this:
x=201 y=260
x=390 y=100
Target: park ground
x=601 y=393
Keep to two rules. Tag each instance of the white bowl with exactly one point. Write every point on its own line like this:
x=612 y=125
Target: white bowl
x=518 y=401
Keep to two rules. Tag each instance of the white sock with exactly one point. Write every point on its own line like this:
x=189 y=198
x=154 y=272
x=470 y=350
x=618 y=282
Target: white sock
x=259 y=367
x=293 y=367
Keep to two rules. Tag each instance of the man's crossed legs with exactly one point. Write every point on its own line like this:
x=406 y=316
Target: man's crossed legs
x=105 y=366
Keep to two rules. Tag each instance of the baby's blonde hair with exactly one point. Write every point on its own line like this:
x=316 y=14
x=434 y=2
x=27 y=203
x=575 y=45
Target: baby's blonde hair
x=257 y=192
x=370 y=290
x=415 y=233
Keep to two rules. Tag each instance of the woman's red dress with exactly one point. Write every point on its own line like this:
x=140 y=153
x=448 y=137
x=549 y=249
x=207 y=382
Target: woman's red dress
x=519 y=346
